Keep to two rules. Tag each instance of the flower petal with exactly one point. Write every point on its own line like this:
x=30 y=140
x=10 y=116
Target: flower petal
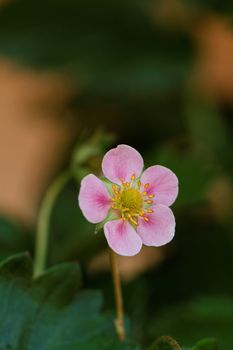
x=160 y=228
x=121 y=163
x=94 y=199
x=122 y=237
x=163 y=184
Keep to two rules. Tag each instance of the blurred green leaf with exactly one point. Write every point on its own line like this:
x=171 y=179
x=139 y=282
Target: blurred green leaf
x=200 y=318
x=51 y=312
x=206 y=344
x=192 y=169
x=165 y=343
x=208 y=131
x=13 y=238
x=219 y=7
x=88 y=153
x=108 y=48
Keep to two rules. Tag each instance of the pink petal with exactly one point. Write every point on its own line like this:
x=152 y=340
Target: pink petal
x=122 y=237
x=163 y=184
x=160 y=228
x=94 y=199
x=121 y=163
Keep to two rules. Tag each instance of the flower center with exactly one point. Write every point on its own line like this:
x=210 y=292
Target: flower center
x=131 y=201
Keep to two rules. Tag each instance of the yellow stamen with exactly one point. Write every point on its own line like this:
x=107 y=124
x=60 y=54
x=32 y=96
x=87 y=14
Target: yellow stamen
x=146 y=185
x=125 y=209
x=139 y=184
x=146 y=219
x=149 y=202
x=133 y=177
x=150 y=211
x=132 y=220
x=144 y=193
x=129 y=201
x=151 y=196
x=121 y=180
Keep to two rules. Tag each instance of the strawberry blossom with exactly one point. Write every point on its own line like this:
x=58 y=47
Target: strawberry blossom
x=133 y=205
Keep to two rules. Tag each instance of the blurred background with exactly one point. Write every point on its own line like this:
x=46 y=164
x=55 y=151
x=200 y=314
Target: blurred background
x=79 y=77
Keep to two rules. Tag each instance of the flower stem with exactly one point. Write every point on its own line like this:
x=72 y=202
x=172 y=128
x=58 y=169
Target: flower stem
x=119 y=322
x=42 y=234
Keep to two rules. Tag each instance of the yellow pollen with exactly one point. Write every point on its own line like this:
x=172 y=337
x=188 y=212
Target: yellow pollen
x=144 y=193
x=150 y=210
x=129 y=202
x=139 y=184
x=125 y=209
x=146 y=219
x=146 y=185
x=126 y=184
x=133 y=177
x=121 y=180
x=151 y=196
x=131 y=198
x=149 y=202
x=132 y=220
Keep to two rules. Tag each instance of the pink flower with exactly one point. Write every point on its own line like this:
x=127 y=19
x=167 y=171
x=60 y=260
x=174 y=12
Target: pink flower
x=133 y=206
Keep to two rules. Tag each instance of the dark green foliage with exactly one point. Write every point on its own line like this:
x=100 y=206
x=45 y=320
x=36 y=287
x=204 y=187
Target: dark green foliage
x=13 y=238
x=107 y=47
x=206 y=344
x=51 y=312
x=200 y=318
x=165 y=343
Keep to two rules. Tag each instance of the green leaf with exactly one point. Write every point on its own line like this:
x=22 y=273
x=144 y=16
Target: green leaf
x=206 y=344
x=197 y=319
x=165 y=343
x=51 y=312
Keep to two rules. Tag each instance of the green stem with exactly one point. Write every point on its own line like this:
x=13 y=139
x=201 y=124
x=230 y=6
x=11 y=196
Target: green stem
x=119 y=322
x=42 y=234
